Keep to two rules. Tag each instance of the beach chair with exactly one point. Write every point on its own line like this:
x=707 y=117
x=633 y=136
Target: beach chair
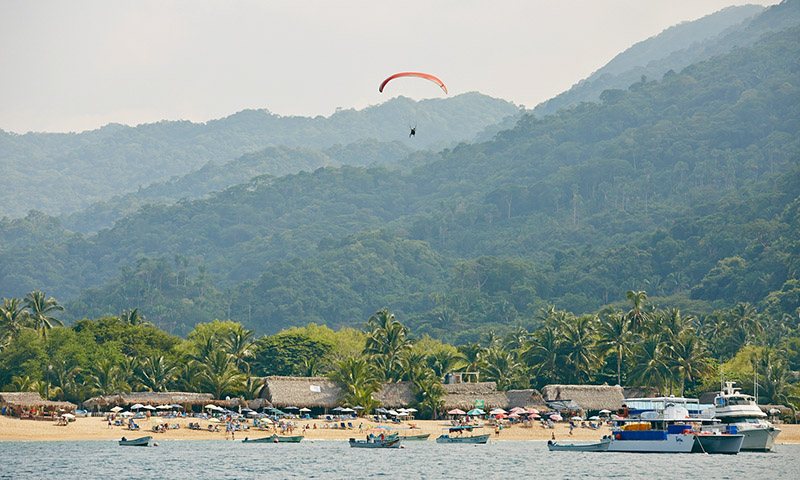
x=350 y=425
x=328 y=418
x=343 y=426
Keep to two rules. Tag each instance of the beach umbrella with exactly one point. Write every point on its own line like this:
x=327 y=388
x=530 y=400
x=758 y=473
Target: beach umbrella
x=605 y=411
x=500 y=416
x=117 y=409
x=304 y=409
x=291 y=408
x=774 y=410
x=211 y=407
x=136 y=406
x=534 y=415
x=556 y=417
x=517 y=410
x=381 y=410
x=68 y=415
x=532 y=410
x=476 y=411
x=126 y=414
x=338 y=409
x=158 y=420
x=164 y=407
x=456 y=411
x=514 y=415
x=594 y=417
x=348 y=410
x=149 y=407
x=576 y=419
x=358 y=407
x=411 y=410
x=497 y=411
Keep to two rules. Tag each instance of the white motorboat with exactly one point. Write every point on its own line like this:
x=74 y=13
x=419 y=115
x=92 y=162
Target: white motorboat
x=735 y=409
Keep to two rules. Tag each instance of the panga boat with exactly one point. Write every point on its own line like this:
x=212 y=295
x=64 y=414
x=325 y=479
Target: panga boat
x=274 y=439
x=136 y=442
x=475 y=439
x=393 y=442
x=600 y=446
x=421 y=436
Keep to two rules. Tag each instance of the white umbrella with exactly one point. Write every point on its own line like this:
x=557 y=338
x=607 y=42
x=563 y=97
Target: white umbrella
x=164 y=407
x=411 y=410
x=348 y=410
x=576 y=419
x=304 y=409
x=605 y=411
x=126 y=414
x=149 y=407
x=68 y=415
x=393 y=413
x=211 y=407
x=117 y=409
x=136 y=406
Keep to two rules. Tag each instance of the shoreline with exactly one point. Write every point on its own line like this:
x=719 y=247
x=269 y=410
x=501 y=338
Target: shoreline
x=96 y=428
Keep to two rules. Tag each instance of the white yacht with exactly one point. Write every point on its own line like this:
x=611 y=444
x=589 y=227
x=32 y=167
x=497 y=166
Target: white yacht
x=737 y=409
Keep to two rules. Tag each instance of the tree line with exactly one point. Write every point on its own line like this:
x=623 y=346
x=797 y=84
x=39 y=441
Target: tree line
x=639 y=345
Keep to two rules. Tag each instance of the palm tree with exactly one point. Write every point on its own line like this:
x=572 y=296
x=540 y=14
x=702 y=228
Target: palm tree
x=544 y=353
x=358 y=380
x=13 y=318
x=133 y=317
x=220 y=375
x=744 y=316
x=387 y=341
x=690 y=356
x=188 y=376
x=155 y=373
x=104 y=377
x=240 y=344
x=578 y=346
x=637 y=316
x=473 y=354
x=502 y=368
x=430 y=396
x=40 y=309
x=613 y=336
x=445 y=361
x=650 y=363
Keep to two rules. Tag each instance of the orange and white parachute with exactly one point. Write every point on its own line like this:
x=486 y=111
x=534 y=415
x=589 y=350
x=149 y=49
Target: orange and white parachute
x=426 y=76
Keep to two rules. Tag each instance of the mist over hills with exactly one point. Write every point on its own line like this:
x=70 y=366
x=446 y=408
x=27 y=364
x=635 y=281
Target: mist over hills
x=63 y=173
x=678 y=47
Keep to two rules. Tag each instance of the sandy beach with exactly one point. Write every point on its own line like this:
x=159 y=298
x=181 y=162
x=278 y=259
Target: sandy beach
x=96 y=428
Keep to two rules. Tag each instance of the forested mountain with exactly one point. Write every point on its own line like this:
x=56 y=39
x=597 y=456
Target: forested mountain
x=685 y=187
x=62 y=173
x=678 y=47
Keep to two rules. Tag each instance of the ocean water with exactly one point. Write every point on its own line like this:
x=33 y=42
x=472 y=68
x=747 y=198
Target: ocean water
x=210 y=459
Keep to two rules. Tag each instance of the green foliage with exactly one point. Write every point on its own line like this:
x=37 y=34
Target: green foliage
x=290 y=354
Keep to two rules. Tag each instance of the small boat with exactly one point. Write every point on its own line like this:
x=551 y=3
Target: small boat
x=394 y=442
x=136 y=442
x=274 y=439
x=600 y=446
x=737 y=409
x=474 y=439
x=421 y=436
x=725 y=443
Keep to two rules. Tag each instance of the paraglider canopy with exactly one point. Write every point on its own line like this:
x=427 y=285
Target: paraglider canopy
x=426 y=76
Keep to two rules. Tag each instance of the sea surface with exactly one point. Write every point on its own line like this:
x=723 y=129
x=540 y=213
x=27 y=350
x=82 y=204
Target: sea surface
x=202 y=459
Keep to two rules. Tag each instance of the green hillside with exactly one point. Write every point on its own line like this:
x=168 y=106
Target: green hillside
x=685 y=187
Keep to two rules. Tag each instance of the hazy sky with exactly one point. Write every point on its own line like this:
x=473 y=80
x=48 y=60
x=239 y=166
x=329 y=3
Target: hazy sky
x=79 y=64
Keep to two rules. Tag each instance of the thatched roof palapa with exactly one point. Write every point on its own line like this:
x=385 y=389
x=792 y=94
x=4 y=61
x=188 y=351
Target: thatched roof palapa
x=395 y=395
x=525 y=399
x=589 y=397
x=154 y=398
x=32 y=400
x=320 y=392
x=463 y=395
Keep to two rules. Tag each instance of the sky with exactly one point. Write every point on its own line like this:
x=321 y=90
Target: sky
x=80 y=64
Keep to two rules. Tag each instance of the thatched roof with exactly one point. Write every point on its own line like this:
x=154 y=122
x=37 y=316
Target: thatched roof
x=395 y=395
x=525 y=399
x=154 y=398
x=31 y=400
x=589 y=397
x=643 y=392
x=463 y=395
x=319 y=392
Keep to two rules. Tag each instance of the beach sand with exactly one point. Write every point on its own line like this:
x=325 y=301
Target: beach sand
x=96 y=428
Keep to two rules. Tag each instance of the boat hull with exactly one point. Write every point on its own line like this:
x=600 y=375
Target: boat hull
x=422 y=436
x=393 y=443
x=600 y=446
x=274 y=439
x=136 y=442
x=673 y=443
x=476 y=439
x=724 y=444
x=759 y=439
